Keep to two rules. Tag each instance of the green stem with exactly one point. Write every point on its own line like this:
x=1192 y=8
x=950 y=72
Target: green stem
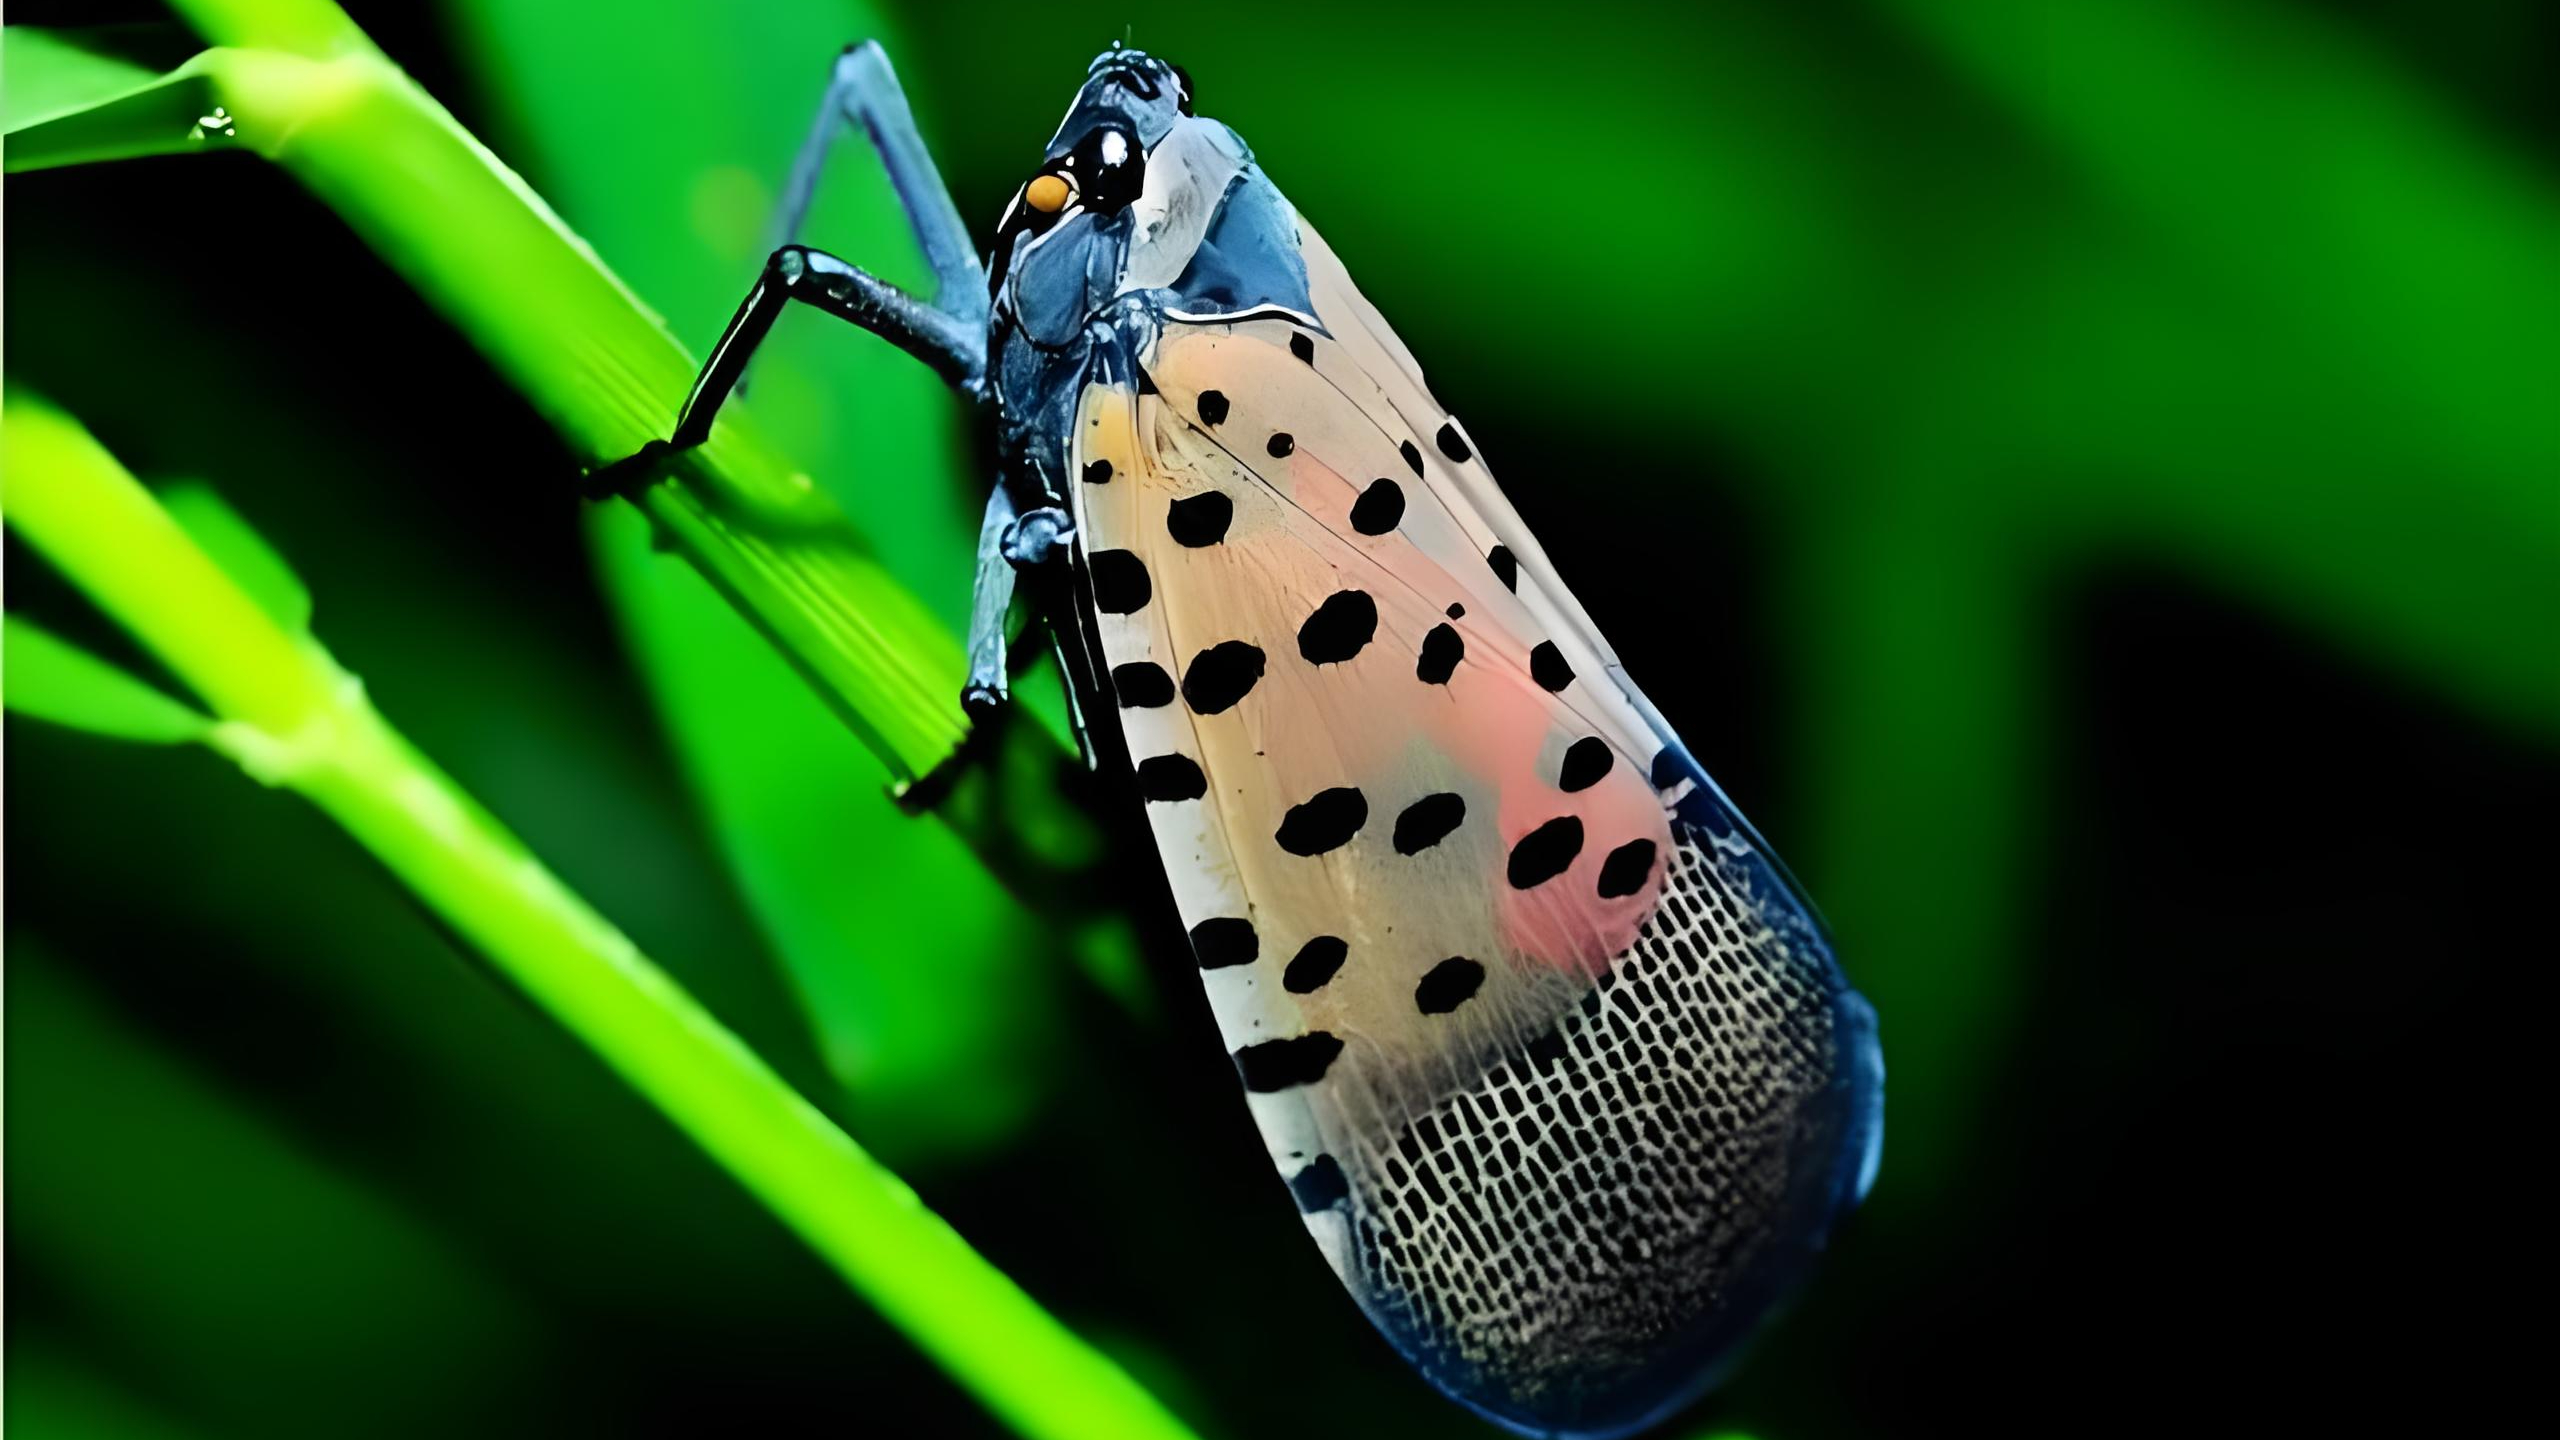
x=290 y=716
x=312 y=94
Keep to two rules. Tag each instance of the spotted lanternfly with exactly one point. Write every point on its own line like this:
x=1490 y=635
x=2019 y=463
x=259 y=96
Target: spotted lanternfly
x=1553 y=1056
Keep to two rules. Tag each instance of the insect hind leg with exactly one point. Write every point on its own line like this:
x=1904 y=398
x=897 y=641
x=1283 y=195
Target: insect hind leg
x=863 y=90
x=954 y=346
x=948 y=332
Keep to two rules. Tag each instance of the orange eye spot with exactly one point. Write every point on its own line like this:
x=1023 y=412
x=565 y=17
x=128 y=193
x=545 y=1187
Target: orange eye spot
x=1047 y=194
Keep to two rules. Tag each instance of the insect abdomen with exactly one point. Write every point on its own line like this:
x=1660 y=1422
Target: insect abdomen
x=1570 y=1244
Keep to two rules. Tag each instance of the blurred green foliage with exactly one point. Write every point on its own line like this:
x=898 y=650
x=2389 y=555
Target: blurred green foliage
x=1835 y=352
x=194 y=1286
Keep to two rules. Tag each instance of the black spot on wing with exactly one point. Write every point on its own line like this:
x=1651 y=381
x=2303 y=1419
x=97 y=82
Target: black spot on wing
x=1327 y=821
x=1141 y=685
x=1120 y=583
x=1199 y=520
x=1450 y=984
x=1340 y=628
x=1321 y=1185
x=1442 y=649
x=1667 y=770
x=1586 y=763
x=1457 y=611
x=1146 y=383
x=1378 y=508
x=1213 y=408
x=1547 y=667
x=1626 y=869
x=1314 y=964
x=1281 y=445
x=1279 y=1064
x=1098 y=473
x=1171 y=777
x=1303 y=346
x=1543 y=853
x=1546 y=1050
x=1412 y=455
x=1505 y=568
x=1453 y=444
x=1224 y=941
x=1427 y=821
x=1220 y=676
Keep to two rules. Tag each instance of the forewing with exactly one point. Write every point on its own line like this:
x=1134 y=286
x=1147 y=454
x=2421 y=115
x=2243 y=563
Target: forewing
x=1557 y=1066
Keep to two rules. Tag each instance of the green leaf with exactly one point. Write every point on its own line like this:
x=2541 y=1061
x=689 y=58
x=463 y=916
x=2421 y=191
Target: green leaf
x=50 y=679
x=76 y=96
x=52 y=73
x=241 y=551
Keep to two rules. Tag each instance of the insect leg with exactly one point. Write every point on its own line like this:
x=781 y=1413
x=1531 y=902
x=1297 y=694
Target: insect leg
x=954 y=347
x=1009 y=544
x=988 y=605
x=948 y=334
x=864 y=91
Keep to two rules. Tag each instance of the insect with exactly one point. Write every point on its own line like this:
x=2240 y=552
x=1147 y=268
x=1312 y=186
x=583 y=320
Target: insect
x=1552 y=1054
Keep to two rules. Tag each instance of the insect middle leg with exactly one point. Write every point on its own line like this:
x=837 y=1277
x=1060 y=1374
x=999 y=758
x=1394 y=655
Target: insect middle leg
x=1034 y=542
x=1010 y=546
x=990 y=603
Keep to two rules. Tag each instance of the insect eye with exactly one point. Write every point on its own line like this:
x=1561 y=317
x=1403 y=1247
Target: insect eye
x=1112 y=168
x=1048 y=193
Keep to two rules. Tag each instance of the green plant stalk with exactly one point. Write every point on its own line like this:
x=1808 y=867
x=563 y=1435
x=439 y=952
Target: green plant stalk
x=309 y=92
x=291 y=717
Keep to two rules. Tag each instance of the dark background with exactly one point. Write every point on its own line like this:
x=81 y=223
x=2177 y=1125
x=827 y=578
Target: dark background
x=2083 y=478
